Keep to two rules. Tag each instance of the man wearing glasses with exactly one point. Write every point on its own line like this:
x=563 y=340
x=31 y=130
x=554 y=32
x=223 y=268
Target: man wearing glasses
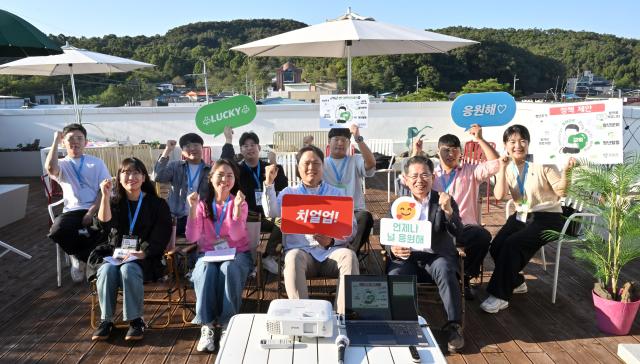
x=79 y=175
x=462 y=182
x=439 y=262
x=186 y=176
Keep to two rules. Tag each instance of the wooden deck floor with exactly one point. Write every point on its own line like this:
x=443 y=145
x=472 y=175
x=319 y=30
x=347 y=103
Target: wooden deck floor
x=42 y=323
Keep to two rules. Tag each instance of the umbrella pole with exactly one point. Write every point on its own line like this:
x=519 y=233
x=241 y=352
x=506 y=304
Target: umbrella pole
x=349 y=67
x=75 y=98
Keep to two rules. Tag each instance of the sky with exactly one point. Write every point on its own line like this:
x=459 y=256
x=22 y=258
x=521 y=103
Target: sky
x=144 y=17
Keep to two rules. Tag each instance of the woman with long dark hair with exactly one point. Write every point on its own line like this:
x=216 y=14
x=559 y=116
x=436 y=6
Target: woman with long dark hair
x=139 y=226
x=216 y=223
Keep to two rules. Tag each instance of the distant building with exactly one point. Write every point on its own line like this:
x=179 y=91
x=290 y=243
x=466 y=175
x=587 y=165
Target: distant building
x=589 y=84
x=163 y=87
x=287 y=74
x=45 y=99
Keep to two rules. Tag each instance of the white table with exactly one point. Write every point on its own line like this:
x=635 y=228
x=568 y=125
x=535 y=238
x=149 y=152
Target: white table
x=13 y=202
x=241 y=344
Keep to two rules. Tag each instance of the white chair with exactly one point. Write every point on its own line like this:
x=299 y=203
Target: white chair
x=563 y=237
x=287 y=160
x=52 y=190
x=385 y=147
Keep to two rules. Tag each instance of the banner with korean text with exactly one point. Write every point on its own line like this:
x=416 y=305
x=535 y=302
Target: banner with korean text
x=414 y=234
x=340 y=111
x=583 y=130
x=313 y=214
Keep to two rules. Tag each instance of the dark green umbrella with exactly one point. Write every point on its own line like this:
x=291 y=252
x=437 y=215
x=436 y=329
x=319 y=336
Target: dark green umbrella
x=18 y=38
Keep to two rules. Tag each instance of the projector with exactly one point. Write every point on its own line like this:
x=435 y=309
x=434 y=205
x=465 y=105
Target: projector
x=303 y=317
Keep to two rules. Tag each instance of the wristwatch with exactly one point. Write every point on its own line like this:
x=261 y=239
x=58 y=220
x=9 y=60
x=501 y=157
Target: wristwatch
x=359 y=139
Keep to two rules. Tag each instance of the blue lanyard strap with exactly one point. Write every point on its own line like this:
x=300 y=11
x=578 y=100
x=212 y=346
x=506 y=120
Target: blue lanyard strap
x=256 y=176
x=323 y=188
x=521 y=179
x=132 y=221
x=78 y=171
x=191 y=180
x=340 y=174
x=217 y=224
x=447 y=184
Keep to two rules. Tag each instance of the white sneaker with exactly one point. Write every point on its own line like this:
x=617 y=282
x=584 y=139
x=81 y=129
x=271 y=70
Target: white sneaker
x=206 y=342
x=521 y=288
x=77 y=269
x=494 y=304
x=269 y=263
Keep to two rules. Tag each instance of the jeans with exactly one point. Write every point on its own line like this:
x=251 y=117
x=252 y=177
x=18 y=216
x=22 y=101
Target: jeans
x=218 y=287
x=127 y=276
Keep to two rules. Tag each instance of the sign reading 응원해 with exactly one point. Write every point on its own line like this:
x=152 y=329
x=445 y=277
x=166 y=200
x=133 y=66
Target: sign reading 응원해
x=484 y=109
x=410 y=234
x=583 y=130
x=234 y=112
x=340 y=111
x=313 y=214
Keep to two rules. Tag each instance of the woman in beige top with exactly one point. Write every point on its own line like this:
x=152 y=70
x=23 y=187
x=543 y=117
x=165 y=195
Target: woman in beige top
x=536 y=190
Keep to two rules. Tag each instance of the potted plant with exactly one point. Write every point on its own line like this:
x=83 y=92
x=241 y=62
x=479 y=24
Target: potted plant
x=612 y=239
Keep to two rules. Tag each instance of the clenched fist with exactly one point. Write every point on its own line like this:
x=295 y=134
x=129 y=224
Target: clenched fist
x=270 y=173
x=445 y=203
x=193 y=199
x=476 y=132
x=239 y=199
x=106 y=186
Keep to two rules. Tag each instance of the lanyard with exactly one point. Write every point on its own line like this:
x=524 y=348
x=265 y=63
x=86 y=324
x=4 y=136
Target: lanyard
x=191 y=180
x=132 y=221
x=217 y=224
x=342 y=167
x=256 y=176
x=446 y=184
x=78 y=170
x=323 y=188
x=524 y=177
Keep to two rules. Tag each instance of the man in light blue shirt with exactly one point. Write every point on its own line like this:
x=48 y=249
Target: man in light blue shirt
x=310 y=255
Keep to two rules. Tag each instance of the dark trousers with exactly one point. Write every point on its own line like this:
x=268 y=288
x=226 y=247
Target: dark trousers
x=64 y=232
x=441 y=270
x=476 y=241
x=513 y=247
x=275 y=236
x=364 y=221
x=181 y=225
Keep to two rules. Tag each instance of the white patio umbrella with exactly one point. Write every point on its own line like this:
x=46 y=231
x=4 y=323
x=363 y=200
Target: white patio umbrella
x=352 y=35
x=72 y=62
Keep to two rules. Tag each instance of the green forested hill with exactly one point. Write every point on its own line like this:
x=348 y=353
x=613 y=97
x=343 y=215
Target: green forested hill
x=540 y=58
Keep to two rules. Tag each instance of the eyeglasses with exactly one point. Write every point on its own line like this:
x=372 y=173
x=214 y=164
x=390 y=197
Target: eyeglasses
x=193 y=146
x=311 y=164
x=219 y=176
x=132 y=174
x=422 y=176
x=452 y=150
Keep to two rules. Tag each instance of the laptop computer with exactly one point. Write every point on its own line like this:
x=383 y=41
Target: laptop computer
x=381 y=311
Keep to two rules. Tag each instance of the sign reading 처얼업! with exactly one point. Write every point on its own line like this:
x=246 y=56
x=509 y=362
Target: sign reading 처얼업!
x=583 y=130
x=484 y=109
x=340 y=111
x=234 y=112
x=312 y=214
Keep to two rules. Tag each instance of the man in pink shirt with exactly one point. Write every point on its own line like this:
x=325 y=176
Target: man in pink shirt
x=462 y=182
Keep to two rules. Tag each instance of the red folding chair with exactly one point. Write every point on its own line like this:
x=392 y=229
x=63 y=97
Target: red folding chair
x=473 y=154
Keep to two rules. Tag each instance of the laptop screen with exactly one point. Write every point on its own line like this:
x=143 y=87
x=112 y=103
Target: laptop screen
x=380 y=297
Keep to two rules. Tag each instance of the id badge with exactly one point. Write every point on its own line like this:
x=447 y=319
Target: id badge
x=522 y=212
x=221 y=244
x=130 y=242
x=258 y=195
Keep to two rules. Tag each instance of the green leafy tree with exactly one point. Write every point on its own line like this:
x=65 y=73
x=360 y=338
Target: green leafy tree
x=423 y=94
x=491 y=84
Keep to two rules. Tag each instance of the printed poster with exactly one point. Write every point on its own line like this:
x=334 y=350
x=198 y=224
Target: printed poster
x=583 y=130
x=313 y=214
x=340 y=111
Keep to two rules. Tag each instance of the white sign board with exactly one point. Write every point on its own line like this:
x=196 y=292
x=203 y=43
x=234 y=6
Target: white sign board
x=410 y=234
x=340 y=111
x=583 y=130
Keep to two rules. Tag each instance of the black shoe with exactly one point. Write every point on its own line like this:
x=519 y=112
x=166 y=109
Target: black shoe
x=103 y=331
x=136 y=330
x=468 y=291
x=455 y=339
x=217 y=334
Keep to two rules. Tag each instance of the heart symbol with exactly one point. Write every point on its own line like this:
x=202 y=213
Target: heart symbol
x=502 y=108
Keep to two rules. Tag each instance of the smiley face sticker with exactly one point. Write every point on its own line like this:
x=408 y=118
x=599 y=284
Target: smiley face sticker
x=406 y=208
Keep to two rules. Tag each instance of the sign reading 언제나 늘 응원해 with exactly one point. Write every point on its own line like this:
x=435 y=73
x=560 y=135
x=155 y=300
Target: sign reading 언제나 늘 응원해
x=583 y=130
x=405 y=228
